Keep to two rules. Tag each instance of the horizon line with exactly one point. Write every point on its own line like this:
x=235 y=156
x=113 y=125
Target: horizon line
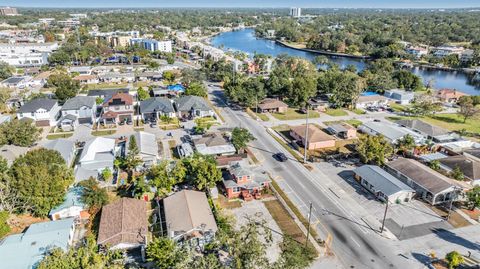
x=246 y=7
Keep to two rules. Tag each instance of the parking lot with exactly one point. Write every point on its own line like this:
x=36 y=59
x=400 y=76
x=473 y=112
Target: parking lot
x=405 y=220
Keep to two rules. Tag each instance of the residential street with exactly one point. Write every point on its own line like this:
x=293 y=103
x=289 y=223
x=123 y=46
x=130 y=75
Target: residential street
x=354 y=242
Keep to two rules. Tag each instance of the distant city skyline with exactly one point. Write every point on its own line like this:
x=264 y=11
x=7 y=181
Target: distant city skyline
x=246 y=3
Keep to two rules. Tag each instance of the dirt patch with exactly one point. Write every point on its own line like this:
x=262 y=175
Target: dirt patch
x=284 y=220
x=223 y=202
x=456 y=220
x=18 y=223
x=473 y=214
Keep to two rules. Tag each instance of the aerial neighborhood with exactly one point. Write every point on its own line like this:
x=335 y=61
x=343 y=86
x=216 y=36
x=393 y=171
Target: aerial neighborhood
x=239 y=138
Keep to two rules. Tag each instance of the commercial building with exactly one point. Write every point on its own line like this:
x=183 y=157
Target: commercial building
x=152 y=44
x=390 y=131
x=8 y=11
x=383 y=185
x=295 y=12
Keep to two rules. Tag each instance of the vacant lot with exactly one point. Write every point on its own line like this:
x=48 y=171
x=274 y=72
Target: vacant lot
x=293 y=114
x=336 y=112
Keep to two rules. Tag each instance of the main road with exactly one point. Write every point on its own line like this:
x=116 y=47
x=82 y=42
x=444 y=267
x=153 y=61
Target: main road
x=354 y=242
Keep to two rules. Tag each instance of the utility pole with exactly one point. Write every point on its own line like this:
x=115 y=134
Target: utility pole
x=308 y=227
x=306 y=139
x=451 y=202
x=384 y=216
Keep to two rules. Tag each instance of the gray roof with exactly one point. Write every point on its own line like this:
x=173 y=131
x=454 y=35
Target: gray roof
x=63 y=146
x=36 y=104
x=146 y=143
x=158 y=104
x=187 y=103
x=382 y=180
x=68 y=117
x=422 y=175
x=13 y=80
x=423 y=127
x=78 y=102
x=107 y=92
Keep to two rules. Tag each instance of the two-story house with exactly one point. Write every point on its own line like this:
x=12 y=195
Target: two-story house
x=118 y=108
x=43 y=111
x=77 y=110
x=242 y=181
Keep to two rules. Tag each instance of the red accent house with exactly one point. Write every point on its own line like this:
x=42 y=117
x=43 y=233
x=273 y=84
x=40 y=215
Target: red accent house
x=241 y=182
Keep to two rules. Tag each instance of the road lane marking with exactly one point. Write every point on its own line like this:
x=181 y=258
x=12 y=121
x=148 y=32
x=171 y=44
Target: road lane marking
x=354 y=241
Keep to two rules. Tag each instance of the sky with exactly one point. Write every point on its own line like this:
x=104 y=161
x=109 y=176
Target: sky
x=247 y=3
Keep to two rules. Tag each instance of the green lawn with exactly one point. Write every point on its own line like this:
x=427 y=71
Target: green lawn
x=103 y=132
x=254 y=115
x=355 y=123
x=205 y=122
x=336 y=112
x=293 y=114
x=57 y=136
x=359 y=111
x=452 y=122
x=397 y=107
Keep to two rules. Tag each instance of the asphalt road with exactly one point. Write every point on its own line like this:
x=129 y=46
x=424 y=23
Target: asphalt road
x=354 y=243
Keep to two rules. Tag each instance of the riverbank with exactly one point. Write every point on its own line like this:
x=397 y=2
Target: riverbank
x=322 y=52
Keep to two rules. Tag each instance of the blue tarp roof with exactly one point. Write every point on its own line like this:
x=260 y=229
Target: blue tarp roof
x=176 y=87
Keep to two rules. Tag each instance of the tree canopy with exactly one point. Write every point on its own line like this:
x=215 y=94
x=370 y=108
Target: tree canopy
x=41 y=178
x=374 y=149
x=197 y=89
x=241 y=137
x=22 y=133
x=202 y=171
x=65 y=86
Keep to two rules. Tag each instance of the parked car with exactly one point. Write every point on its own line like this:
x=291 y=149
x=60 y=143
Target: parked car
x=280 y=157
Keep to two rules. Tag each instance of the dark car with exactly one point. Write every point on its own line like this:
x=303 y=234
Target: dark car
x=281 y=157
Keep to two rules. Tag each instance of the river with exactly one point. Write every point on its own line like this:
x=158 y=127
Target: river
x=245 y=40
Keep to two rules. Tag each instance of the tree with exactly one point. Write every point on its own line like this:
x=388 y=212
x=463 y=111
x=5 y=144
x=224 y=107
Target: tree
x=86 y=256
x=457 y=173
x=5 y=94
x=142 y=94
x=202 y=171
x=93 y=195
x=41 y=178
x=6 y=70
x=4 y=227
x=22 y=133
x=240 y=138
x=59 y=57
x=374 y=149
x=65 y=86
x=467 y=108
x=190 y=75
x=454 y=259
x=407 y=80
x=169 y=77
x=170 y=58
x=295 y=255
x=473 y=197
x=303 y=88
x=196 y=89
x=165 y=253
x=106 y=174
x=164 y=176
x=435 y=165
x=139 y=187
x=132 y=146
x=343 y=87
x=406 y=144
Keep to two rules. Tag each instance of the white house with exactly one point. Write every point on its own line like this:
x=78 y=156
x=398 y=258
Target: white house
x=148 y=147
x=97 y=154
x=400 y=96
x=83 y=108
x=43 y=111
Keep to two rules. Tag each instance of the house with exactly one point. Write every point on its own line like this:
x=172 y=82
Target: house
x=114 y=77
x=124 y=224
x=97 y=154
x=369 y=99
x=149 y=76
x=11 y=152
x=81 y=70
x=470 y=167
x=214 y=144
x=27 y=249
x=418 y=52
x=154 y=108
x=319 y=103
x=272 y=106
x=148 y=148
x=443 y=51
x=15 y=82
x=42 y=78
x=400 y=96
x=317 y=139
x=65 y=147
x=242 y=181
x=189 y=218
x=435 y=133
x=383 y=185
x=106 y=93
x=82 y=108
x=193 y=106
x=72 y=206
x=429 y=184
x=118 y=108
x=391 y=132
x=458 y=147
x=342 y=130
x=87 y=79
x=43 y=111
x=467 y=56
x=449 y=95
x=185 y=150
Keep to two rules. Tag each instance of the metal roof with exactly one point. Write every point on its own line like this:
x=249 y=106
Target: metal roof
x=382 y=180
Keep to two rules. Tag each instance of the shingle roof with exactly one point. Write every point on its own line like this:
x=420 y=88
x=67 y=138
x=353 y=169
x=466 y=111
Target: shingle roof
x=422 y=175
x=469 y=167
x=27 y=249
x=78 y=102
x=13 y=80
x=107 y=92
x=123 y=221
x=187 y=210
x=157 y=104
x=423 y=127
x=271 y=104
x=119 y=99
x=314 y=134
x=186 y=103
x=63 y=146
x=382 y=180
x=36 y=104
